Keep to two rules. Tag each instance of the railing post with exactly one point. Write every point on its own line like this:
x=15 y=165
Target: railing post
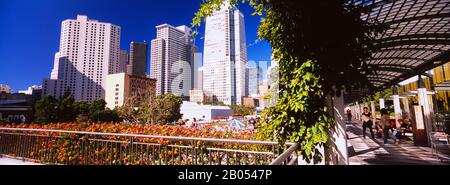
x=1 y=143
x=86 y=150
x=194 y=153
x=131 y=150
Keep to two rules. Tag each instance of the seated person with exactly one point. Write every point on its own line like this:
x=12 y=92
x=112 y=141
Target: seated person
x=406 y=127
x=409 y=126
x=396 y=135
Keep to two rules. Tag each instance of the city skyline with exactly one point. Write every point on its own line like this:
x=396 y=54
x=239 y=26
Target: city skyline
x=38 y=61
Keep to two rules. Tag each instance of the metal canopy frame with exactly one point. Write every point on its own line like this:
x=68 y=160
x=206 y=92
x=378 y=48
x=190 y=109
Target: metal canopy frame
x=416 y=40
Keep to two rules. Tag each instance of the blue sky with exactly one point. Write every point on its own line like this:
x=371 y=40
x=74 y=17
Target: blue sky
x=30 y=30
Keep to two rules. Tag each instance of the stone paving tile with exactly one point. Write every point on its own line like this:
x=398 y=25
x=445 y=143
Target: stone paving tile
x=374 y=152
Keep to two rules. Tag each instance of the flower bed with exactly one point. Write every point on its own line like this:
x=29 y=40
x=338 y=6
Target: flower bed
x=63 y=148
x=208 y=131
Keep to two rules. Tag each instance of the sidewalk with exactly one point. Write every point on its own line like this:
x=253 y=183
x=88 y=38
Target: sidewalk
x=10 y=161
x=374 y=152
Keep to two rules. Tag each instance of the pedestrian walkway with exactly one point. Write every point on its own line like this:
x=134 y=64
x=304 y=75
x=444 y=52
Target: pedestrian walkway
x=11 y=161
x=374 y=152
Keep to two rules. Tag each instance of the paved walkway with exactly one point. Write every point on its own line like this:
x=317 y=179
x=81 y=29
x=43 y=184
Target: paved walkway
x=374 y=152
x=10 y=161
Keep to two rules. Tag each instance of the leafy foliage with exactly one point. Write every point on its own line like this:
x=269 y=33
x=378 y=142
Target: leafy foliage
x=81 y=108
x=128 y=111
x=167 y=108
x=213 y=102
x=105 y=116
x=97 y=105
x=318 y=54
x=46 y=110
x=66 y=108
x=241 y=110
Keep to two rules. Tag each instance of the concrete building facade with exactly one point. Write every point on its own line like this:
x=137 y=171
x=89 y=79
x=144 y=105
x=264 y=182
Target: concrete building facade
x=122 y=86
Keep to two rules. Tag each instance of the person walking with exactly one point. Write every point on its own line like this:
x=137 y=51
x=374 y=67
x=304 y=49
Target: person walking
x=385 y=124
x=367 y=122
x=349 y=115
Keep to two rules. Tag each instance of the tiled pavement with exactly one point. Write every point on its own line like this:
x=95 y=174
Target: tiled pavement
x=374 y=152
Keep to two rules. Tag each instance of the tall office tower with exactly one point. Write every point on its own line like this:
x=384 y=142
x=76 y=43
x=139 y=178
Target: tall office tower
x=253 y=79
x=123 y=61
x=200 y=78
x=88 y=52
x=138 y=59
x=173 y=60
x=225 y=56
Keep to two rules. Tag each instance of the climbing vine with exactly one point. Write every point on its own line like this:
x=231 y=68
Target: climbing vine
x=318 y=45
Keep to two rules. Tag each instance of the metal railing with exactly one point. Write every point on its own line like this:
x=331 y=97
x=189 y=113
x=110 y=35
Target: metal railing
x=288 y=157
x=97 y=148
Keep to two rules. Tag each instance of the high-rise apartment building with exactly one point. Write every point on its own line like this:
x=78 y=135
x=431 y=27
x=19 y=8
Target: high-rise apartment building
x=225 y=55
x=88 y=52
x=173 y=60
x=138 y=59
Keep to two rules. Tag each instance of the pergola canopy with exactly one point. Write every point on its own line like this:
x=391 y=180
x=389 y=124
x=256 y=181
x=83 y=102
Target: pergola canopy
x=417 y=38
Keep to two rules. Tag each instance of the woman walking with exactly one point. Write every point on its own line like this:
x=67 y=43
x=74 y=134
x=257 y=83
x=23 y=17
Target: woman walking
x=367 y=122
x=385 y=124
x=349 y=115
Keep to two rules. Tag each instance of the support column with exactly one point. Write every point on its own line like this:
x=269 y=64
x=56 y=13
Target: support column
x=382 y=103
x=406 y=107
x=397 y=108
x=336 y=152
x=358 y=111
x=425 y=103
x=373 y=111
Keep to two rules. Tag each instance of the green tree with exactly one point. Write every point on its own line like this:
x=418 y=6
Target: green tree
x=321 y=47
x=145 y=112
x=137 y=110
x=81 y=108
x=129 y=110
x=241 y=110
x=105 y=116
x=96 y=106
x=213 y=102
x=66 y=109
x=46 y=110
x=99 y=113
x=166 y=109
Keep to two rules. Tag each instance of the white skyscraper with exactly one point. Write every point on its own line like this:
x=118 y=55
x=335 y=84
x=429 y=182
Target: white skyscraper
x=173 y=60
x=200 y=78
x=89 y=51
x=225 y=56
